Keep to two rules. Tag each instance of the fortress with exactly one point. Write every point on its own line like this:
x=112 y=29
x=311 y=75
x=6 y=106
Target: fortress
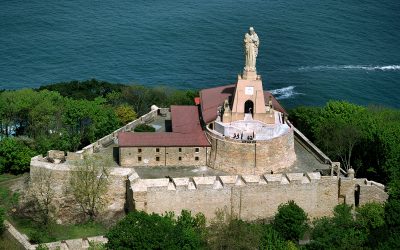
x=235 y=151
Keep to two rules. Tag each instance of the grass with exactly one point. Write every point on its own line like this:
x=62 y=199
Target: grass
x=54 y=232
x=35 y=231
x=7 y=242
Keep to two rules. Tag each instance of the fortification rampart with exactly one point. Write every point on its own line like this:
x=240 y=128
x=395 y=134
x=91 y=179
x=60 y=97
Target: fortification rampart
x=258 y=157
x=250 y=197
x=67 y=210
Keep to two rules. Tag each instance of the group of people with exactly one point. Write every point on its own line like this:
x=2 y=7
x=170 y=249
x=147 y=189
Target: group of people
x=236 y=136
x=240 y=136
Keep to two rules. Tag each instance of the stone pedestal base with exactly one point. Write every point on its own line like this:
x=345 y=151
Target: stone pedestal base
x=250 y=75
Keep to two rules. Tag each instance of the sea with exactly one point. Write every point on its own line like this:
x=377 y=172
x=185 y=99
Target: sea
x=311 y=51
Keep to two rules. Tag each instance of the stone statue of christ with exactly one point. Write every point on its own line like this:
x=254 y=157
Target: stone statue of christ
x=251 y=43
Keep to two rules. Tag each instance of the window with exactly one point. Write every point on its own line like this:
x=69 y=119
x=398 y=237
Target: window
x=157 y=150
x=196 y=150
x=157 y=158
x=139 y=150
x=139 y=158
x=196 y=158
x=180 y=158
x=180 y=149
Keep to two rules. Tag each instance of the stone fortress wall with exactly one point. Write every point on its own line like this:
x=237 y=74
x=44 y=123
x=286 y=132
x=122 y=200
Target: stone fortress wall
x=250 y=197
x=163 y=156
x=258 y=157
x=67 y=210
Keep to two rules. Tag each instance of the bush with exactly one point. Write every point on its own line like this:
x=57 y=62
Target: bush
x=37 y=236
x=290 y=221
x=139 y=230
x=42 y=247
x=144 y=128
x=339 y=232
x=271 y=239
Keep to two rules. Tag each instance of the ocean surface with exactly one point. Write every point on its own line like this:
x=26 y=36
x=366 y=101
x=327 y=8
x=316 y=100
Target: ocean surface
x=311 y=51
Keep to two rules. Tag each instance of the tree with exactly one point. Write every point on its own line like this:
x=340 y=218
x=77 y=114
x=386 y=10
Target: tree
x=89 y=182
x=290 y=221
x=228 y=232
x=125 y=114
x=15 y=156
x=338 y=139
x=339 y=232
x=41 y=195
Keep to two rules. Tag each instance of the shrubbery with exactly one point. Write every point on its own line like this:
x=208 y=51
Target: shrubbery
x=290 y=221
x=144 y=128
x=139 y=230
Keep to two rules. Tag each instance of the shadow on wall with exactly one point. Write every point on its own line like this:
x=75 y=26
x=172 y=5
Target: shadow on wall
x=116 y=154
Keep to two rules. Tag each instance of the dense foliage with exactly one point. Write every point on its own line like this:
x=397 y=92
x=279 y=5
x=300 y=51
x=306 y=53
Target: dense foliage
x=69 y=116
x=290 y=221
x=15 y=155
x=368 y=139
x=139 y=230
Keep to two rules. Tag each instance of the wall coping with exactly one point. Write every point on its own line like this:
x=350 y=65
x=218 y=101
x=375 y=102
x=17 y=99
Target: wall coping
x=226 y=181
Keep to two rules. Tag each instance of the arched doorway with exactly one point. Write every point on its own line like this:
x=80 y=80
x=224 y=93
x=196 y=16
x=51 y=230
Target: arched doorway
x=248 y=107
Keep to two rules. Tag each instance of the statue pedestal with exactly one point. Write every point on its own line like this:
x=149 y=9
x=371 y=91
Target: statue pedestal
x=250 y=75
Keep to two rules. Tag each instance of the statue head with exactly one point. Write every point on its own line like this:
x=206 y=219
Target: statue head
x=251 y=31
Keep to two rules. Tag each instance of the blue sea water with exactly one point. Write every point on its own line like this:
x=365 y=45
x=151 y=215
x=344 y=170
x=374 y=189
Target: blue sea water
x=311 y=51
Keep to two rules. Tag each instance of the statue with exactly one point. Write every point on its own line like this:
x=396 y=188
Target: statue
x=251 y=43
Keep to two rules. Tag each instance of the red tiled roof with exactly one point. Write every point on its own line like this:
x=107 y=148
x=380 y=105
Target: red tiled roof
x=186 y=132
x=214 y=97
x=185 y=119
x=162 y=139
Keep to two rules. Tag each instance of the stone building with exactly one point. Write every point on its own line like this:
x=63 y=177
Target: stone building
x=185 y=145
x=233 y=151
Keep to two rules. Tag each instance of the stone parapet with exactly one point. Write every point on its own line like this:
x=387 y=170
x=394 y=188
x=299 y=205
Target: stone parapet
x=113 y=137
x=250 y=197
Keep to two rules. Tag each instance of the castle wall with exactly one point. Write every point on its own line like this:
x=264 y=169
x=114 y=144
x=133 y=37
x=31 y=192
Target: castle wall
x=369 y=191
x=67 y=210
x=163 y=156
x=249 y=197
x=260 y=157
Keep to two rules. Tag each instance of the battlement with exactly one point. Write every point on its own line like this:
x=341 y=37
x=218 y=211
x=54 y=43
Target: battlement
x=219 y=182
